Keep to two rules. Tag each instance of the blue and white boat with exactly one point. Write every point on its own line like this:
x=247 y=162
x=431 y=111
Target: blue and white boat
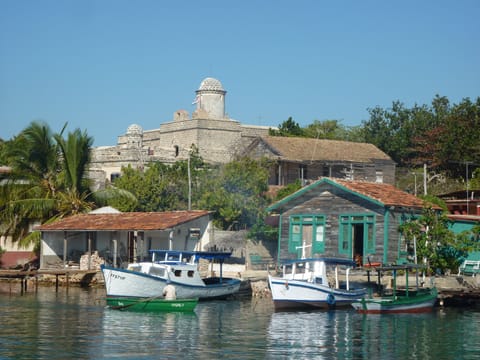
x=180 y=268
x=314 y=283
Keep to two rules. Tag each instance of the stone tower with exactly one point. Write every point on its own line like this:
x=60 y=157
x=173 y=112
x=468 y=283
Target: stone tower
x=134 y=137
x=210 y=100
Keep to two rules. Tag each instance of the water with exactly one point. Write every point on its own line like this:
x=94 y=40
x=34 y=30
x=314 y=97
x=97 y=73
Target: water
x=75 y=324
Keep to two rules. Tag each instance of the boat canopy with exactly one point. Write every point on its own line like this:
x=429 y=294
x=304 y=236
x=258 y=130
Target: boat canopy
x=406 y=267
x=178 y=255
x=326 y=260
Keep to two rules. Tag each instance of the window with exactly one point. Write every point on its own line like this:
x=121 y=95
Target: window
x=114 y=176
x=307 y=230
x=320 y=236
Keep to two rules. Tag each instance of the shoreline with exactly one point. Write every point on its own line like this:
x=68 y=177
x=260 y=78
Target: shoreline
x=453 y=290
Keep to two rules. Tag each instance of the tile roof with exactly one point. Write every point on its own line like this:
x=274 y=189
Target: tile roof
x=129 y=221
x=386 y=194
x=301 y=149
x=383 y=194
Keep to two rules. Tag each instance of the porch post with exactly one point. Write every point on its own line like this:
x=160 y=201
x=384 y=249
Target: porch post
x=279 y=239
x=115 y=249
x=65 y=249
x=279 y=173
x=386 y=220
x=89 y=250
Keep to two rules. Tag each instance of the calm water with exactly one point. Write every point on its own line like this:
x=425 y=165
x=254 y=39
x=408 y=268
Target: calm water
x=76 y=325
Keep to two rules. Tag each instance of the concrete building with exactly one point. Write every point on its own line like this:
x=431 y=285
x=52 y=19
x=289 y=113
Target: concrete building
x=120 y=238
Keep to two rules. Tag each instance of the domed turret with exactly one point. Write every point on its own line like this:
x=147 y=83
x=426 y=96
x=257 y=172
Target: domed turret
x=134 y=136
x=211 y=84
x=134 y=129
x=210 y=99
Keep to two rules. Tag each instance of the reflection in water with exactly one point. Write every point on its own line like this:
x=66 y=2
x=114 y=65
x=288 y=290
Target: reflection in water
x=348 y=335
x=77 y=325
x=306 y=334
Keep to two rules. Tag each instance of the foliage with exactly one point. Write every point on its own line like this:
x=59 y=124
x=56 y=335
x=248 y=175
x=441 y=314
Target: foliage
x=474 y=182
x=333 y=130
x=235 y=192
x=262 y=231
x=47 y=180
x=444 y=136
x=433 y=200
x=436 y=245
x=326 y=129
x=288 y=189
x=160 y=187
x=288 y=128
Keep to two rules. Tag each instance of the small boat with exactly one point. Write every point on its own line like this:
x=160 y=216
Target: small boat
x=415 y=300
x=154 y=304
x=314 y=283
x=180 y=268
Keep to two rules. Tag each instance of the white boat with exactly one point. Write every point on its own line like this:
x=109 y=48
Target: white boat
x=180 y=268
x=314 y=283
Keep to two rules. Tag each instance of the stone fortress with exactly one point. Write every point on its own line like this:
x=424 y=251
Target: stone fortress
x=210 y=130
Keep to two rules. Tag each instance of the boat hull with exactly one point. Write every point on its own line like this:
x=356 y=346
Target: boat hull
x=128 y=283
x=151 y=304
x=400 y=304
x=290 y=294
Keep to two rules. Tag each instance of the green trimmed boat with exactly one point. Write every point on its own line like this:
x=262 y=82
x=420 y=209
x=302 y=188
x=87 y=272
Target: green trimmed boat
x=415 y=300
x=155 y=304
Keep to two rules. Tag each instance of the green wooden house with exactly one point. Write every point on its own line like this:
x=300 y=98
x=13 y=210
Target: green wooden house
x=349 y=219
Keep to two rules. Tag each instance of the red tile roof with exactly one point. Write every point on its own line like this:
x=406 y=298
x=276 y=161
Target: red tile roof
x=129 y=221
x=386 y=194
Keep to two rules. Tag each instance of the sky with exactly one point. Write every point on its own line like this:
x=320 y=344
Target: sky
x=102 y=65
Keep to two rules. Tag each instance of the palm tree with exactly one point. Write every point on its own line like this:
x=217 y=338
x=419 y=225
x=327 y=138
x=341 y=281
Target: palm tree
x=28 y=193
x=75 y=153
x=48 y=180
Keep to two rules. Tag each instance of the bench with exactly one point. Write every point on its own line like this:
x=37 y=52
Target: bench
x=469 y=267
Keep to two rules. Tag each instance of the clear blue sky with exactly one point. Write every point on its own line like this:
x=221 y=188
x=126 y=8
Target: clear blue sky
x=103 y=65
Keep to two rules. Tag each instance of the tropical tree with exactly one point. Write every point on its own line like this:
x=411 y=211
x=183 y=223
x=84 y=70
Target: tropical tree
x=235 y=192
x=288 y=128
x=29 y=194
x=161 y=187
x=436 y=245
x=47 y=181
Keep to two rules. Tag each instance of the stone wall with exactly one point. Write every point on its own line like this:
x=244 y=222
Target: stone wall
x=218 y=141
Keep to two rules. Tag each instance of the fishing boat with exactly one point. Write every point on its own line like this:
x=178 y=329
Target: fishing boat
x=408 y=300
x=314 y=283
x=180 y=268
x=154 y=304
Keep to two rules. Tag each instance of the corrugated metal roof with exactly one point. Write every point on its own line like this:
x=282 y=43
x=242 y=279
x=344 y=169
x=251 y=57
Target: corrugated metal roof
x=302 y=149
x=129 y=221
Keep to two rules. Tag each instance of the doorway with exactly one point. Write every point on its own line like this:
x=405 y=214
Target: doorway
x=307 y=236
x=358 y=243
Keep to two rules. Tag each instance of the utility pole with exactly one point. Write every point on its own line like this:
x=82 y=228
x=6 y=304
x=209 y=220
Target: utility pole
x=466 y=177
x=425 y=179
x=415 y=176
x=189 y=184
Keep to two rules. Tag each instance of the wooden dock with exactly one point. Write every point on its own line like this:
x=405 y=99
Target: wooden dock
x=25 y=275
